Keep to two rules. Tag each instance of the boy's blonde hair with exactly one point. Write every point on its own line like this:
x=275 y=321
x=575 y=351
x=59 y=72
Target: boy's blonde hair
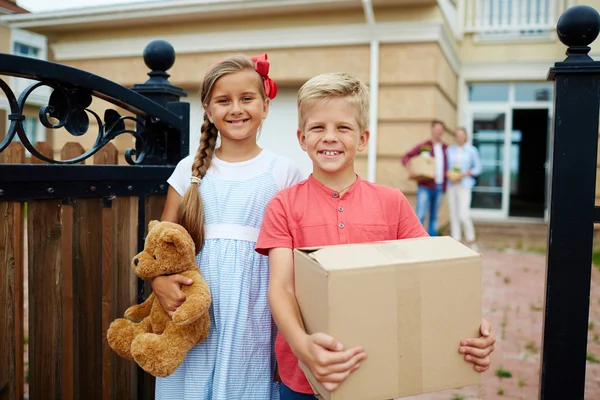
x=190 y=211
x=334 y=85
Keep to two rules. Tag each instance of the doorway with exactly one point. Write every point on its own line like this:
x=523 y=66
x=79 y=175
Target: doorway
x=509 y=125
x=528 y=153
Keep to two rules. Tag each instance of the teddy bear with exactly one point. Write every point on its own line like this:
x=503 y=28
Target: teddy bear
x=157 y=342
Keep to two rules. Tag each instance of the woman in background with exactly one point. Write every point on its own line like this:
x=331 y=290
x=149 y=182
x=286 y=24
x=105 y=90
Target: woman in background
x=463 y=166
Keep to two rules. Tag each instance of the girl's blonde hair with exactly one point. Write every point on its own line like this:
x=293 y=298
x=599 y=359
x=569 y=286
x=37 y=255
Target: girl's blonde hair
x=333 y=85
x=190 y=214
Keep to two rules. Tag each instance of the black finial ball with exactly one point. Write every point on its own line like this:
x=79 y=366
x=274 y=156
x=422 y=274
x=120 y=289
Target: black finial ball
x=578 y=26
x=159 y=55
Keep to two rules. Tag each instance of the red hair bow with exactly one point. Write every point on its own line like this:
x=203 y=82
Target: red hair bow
x=261 y=65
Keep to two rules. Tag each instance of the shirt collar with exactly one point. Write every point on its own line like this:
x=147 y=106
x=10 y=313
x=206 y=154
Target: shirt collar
x=332 y=193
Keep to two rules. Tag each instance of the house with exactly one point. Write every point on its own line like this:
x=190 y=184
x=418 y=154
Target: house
x=481 y=64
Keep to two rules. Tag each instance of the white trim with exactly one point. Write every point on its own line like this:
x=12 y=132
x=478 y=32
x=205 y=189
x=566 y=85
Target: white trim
x=373 y=91
x=448 y=47
x=450 y=12
x=174 y=9
x=506 y=71
x=309 y=36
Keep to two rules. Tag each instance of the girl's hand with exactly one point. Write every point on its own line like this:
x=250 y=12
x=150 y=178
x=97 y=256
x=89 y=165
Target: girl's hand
x=168 y=291
x=329 y=363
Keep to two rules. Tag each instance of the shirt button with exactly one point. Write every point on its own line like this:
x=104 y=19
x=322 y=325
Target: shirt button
x=341 y=226
x=340 y=209
x=336 y=195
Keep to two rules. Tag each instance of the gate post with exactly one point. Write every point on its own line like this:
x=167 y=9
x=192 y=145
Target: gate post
x=159 y=56
x=571 y=209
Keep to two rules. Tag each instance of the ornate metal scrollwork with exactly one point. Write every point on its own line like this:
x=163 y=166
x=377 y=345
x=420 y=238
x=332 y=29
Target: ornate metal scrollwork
x=70 y=108
x=161 y=120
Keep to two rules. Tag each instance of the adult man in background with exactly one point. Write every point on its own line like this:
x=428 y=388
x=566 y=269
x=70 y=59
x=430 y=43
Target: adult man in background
x=430 y=191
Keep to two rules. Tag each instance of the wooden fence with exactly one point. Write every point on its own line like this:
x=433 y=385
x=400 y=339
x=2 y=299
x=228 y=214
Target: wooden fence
x=71 y=260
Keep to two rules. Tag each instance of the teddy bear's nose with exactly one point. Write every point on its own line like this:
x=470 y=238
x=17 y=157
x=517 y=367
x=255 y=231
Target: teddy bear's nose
x=136 y=261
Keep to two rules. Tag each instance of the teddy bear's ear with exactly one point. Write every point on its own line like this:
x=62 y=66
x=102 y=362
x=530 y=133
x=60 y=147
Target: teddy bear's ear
x=152 y=224
x=174 y=237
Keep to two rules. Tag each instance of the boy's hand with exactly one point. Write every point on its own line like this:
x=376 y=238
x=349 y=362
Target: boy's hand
x=167 y=290
x=478 y=350
x=329 y=363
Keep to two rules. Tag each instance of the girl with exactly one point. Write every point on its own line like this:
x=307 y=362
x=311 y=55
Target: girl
x=219 y=195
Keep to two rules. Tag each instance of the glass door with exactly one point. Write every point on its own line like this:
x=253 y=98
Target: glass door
x=488 y=133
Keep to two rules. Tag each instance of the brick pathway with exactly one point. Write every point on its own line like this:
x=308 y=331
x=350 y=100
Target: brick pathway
x=513 y=288
x=513 y=294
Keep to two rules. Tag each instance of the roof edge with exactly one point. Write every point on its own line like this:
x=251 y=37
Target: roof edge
x=153 y=9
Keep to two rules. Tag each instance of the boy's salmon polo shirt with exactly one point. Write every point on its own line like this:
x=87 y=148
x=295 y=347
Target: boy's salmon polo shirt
x=310 y=214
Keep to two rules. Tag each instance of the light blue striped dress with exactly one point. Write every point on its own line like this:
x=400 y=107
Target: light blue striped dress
x=236 y=361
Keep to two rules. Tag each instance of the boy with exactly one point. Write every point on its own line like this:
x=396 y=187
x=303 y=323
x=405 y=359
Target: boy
x=333 y=206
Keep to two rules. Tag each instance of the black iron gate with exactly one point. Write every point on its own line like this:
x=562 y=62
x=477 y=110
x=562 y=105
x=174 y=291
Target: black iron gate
x=83 y=224
x=572 y=210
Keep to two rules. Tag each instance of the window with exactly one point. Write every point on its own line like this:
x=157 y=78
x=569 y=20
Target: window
x=488 y=92
x=534 y=91
x=21 y=49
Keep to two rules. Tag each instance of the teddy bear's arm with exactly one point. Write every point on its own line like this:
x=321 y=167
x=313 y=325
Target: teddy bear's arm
x=197 y=300
x=138 y=312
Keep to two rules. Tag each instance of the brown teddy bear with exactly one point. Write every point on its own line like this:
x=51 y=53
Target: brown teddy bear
x=157 y=342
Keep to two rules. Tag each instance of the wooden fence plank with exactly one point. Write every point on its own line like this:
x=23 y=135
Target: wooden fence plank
x=124 y=244
x=44 y=271
x=154 y=206
x=44 y=263
x=11 y=292
x=86 y=281
x=7 y=303
x=107 y=155
x=44 y=149
x=108 y=314
x=87 y=296
x=67 y=299
x=71 y=150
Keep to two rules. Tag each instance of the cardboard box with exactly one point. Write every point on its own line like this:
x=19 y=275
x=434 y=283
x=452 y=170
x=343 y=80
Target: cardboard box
x=408 y=302
x=423 y=166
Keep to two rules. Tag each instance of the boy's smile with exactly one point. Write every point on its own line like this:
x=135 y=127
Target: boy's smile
x=330 y=154
x=331 y=136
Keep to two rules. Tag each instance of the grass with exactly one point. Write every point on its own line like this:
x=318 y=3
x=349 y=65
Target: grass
x=596 y=258
x=596 y=339
x=532 y=347
x=534 y=307
x=500 y=391
x=503 y=374
x=591 y=326
x=592 y=358
x=457 y=397
x=503 y=323
x=522 y=383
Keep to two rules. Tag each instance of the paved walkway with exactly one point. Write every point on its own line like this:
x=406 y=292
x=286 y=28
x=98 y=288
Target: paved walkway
x=513 y=288
x=513 y=295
